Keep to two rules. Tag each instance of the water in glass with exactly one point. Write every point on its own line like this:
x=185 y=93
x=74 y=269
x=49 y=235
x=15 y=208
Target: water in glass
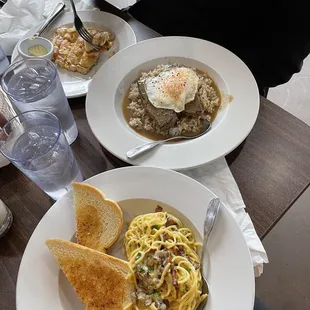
x=37 y=146
x=35 y=85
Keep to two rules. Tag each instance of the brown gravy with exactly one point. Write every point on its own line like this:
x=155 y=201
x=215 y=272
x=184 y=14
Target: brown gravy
x=155 y=136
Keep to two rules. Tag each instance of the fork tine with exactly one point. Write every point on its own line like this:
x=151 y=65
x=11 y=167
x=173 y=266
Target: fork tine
x=84 y=37
x=90 y=38
x=86 y=34
x=97 y=48
x=82 y=31
x=90 y=41
x=86 y=31
x=87 y=38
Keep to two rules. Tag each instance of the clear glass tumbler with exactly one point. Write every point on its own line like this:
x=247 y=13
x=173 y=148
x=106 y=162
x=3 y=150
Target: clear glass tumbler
x=34 y=142
x=34 y=84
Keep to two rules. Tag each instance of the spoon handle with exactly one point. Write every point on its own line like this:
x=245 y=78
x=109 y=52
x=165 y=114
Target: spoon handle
x=210 y=218
x=142 y=149
x=57 y=10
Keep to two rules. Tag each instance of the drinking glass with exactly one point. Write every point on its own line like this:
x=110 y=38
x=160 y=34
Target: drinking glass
x=33 y=141
x=34 y=84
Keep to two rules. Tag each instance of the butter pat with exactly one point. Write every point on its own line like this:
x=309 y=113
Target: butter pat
x=37 y=50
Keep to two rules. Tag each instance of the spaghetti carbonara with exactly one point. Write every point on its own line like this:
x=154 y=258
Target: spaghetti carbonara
x=164 y=263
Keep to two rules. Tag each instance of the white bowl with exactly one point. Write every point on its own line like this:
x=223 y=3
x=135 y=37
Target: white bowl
x=41 y=285
x=76 y=84
x=231 y=126
x=25 y=44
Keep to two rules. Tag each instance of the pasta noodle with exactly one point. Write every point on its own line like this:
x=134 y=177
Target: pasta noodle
x=164 y=263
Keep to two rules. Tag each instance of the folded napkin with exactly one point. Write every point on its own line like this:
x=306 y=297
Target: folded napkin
x=218 y=178
x=19 y=16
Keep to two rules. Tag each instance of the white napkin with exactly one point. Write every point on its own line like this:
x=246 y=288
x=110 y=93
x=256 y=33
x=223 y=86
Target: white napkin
x=218 y=178
x=19 y=16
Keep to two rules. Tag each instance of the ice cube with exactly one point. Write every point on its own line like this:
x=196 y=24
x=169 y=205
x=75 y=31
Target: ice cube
x=41 y=79
x=18 y=85
x=34 y=86
x=33 y=135
x=30 y=74
x=33 y=71
x=45 y=72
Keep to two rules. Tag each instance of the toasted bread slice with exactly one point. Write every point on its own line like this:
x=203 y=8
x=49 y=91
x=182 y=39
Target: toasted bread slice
x=100 y=280
x=99 y=220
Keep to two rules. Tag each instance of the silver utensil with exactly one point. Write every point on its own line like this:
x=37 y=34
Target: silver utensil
x=55 y=13
x=141 y=149
x=85 y=35
x=211 y=214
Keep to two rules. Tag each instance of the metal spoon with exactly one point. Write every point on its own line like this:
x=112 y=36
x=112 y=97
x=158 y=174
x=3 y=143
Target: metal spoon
x=211 y=214
x=141 y=149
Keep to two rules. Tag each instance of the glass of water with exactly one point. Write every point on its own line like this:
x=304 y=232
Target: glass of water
x=34 y=142
x=34 y=84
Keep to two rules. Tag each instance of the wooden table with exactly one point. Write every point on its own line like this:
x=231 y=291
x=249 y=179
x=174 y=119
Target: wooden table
x=272 y=169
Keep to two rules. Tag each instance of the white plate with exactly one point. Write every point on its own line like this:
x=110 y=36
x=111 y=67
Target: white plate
x=40 y=284
x=231 y=126
x=76 y=84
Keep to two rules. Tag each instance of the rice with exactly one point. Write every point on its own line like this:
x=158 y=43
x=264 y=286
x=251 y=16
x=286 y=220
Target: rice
x=140 y=119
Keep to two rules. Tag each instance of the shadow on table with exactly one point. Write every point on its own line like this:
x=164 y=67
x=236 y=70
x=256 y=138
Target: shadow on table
x=232 y=156
x=116 y=162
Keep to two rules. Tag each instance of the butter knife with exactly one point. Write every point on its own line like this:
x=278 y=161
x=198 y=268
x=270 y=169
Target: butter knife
x=55 y=13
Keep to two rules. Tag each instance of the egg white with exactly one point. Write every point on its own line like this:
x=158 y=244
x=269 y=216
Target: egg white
x=173 y=88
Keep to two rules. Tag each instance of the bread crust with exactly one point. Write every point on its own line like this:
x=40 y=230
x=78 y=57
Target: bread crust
x=99 y=220
x=100 y=280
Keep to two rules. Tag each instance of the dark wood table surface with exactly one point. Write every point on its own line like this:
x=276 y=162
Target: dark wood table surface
x=272 y=169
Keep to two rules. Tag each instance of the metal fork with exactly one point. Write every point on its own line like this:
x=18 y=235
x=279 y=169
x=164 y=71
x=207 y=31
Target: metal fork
x=210 y=218
x=85 y=35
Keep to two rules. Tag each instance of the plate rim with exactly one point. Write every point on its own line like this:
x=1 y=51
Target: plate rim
x=35 y=28
x=180 y=167
x=162 y=170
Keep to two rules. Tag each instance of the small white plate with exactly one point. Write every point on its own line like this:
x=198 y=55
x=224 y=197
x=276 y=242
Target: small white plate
x=41 y=285
x=231 y=126
x=76 y=84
